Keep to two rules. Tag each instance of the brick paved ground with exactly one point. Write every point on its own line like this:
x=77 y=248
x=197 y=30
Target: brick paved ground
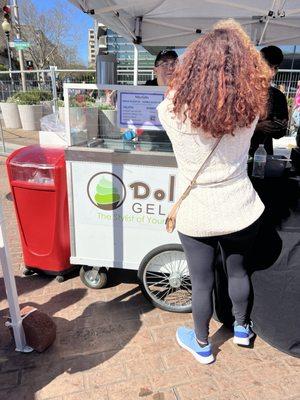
x=112 y=345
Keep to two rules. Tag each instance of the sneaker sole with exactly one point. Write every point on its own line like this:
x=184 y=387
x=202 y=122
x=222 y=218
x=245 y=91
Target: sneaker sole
x=202 y=360
x=243 y=341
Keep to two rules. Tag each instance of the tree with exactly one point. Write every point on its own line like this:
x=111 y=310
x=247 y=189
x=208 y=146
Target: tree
x=51 y=35
x=87 y=76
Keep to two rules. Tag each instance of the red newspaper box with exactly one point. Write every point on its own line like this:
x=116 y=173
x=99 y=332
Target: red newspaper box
x=38 y=183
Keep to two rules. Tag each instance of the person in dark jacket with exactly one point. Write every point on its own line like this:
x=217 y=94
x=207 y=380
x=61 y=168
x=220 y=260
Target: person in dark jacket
x=275 y=125
x=164 y=66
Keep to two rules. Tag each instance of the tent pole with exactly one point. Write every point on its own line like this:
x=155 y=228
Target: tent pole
x=236 y=5
x=292 y=12
x=105 y=10
x=136 y=65
x=159 y=23
x=123 y=23
x=288 y=25
x=267 y=23
x=169 y=36
x=11 y=292
x=282 y=39
x=263 y=32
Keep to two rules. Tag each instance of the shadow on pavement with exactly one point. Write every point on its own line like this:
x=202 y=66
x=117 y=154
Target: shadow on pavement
x=222 y=335
x=26 y=284
x=85 y=340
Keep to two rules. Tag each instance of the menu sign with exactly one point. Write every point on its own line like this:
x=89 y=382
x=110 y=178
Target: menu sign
x=139 y=110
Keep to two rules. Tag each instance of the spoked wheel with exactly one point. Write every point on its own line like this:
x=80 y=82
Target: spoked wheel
x=165 y=279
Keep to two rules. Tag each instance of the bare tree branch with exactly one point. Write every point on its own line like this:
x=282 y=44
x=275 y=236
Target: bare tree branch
x=51 y=34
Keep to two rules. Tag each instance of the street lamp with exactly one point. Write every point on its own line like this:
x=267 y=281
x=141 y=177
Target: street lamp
x=7 y=28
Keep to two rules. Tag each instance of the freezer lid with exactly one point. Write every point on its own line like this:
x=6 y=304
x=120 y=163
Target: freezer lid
x=38 y=156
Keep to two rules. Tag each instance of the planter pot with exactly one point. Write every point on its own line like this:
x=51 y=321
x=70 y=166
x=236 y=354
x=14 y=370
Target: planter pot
x=30 y=116
x=108 y=123
x=11 y=115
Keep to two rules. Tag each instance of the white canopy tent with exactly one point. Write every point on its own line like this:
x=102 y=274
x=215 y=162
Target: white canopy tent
x=179 y=22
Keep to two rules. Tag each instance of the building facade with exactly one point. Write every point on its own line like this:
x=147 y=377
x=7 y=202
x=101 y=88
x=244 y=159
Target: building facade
x=113 y=43
x=91 y=48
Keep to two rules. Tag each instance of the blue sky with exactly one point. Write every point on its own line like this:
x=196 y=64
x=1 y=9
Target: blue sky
x=82 y=21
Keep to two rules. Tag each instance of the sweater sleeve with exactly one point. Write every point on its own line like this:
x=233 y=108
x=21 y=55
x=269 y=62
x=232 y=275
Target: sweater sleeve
x=164 y=111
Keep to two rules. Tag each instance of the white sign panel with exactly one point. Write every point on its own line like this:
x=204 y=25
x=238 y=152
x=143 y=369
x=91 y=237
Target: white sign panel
x=139 y=110
x=120 y=211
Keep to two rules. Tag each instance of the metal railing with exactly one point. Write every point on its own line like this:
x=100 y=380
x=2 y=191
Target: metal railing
x=11 y=83
x=52 y=80
x=287 y=80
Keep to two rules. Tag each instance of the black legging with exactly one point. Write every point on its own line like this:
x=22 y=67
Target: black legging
x=200 y=254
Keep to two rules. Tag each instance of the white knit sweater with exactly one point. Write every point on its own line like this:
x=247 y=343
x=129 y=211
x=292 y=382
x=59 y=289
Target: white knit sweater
x=224 y=201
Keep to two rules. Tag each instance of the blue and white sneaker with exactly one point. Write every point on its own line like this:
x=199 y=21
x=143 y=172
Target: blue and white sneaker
x=186 y=338
x=242 y=334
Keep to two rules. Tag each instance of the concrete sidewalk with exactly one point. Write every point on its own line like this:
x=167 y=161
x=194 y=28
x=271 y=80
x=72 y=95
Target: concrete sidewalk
x=112 y=345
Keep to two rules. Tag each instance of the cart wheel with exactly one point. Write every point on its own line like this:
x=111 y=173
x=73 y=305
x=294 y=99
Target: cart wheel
x=93 y=277
x=60 y=278
x=27 y=271
x=165 y=280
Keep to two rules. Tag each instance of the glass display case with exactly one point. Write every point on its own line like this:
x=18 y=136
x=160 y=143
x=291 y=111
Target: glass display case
x=115 y=117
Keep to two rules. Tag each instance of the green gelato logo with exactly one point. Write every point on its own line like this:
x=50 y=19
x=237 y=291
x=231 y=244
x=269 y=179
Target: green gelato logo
x=106 y=191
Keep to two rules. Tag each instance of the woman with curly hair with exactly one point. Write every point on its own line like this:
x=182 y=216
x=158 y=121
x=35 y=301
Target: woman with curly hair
x=218 y=93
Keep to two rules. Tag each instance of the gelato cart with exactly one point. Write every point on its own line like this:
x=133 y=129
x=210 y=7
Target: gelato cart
x=121 y=184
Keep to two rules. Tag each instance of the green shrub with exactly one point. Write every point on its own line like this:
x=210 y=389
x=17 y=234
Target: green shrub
x=86 y=101
x=31 y=97
x=105 y=106
x=11 y=100
x=290 y=101
x=4 y=77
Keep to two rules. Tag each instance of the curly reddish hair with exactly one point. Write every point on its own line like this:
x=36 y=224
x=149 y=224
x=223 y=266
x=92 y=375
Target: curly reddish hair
x=222 y=83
